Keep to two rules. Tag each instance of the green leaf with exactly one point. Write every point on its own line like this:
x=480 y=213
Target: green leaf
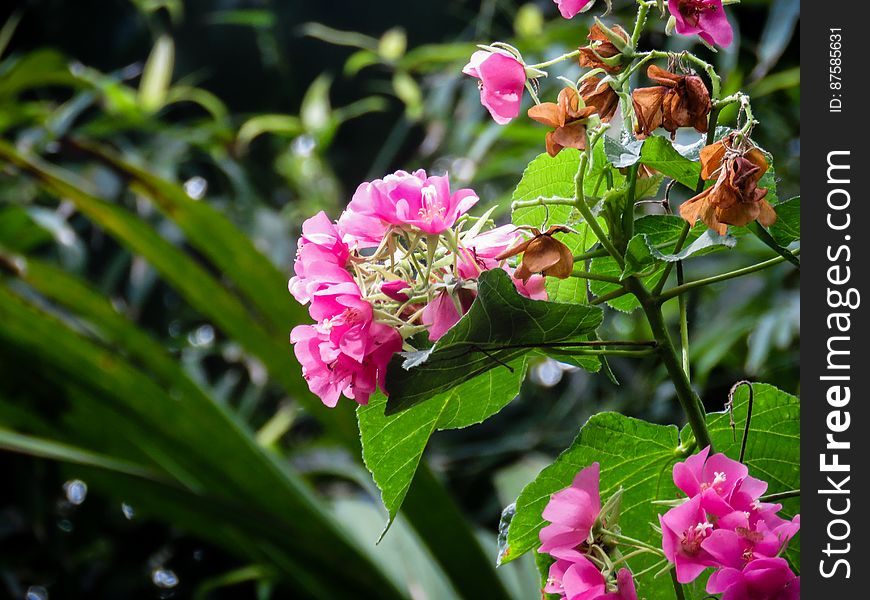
x=501 y=326
x=663 y=231
x=622 y=155
x=639 y=456
x=393 y=444
x=643 y=254
x=787 y=228
x=157 y=74
x=285 y=125
x=661 y=155
x=553 y=177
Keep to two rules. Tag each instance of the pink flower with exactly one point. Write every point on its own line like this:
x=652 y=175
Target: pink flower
x=735 y=542
x=393 y=290
x=714 y=478
x=445 y=309
x=684 y=529
x=706 y=18
x=403 y=200
x=346 y=352
x=625 y=589
x=763 y=579
x=502 y=79
x=321 y=258
x=440 y=315
x=331 y=372
x=571 y=513
x=576 y=578
x=570 y=8
x=534 y=287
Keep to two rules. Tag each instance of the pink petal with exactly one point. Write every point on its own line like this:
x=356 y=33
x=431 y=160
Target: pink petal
x=570 y=8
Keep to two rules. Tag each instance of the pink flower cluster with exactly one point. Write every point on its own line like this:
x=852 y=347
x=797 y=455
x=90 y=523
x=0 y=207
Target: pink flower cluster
x=362 y=279
x=346 y=351
x=572 y=514
x=725 y=525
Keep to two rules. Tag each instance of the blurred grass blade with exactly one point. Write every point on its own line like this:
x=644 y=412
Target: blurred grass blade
x=8 y=30
x=157 y=74
x=778 y=31
x=41 y=448
x=339 y=37
x=234 y=577
x=286 y=125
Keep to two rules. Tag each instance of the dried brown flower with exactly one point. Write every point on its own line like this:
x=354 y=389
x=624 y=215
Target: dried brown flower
x=735 y=198
x=602 y=53
x=679 y=101
x=566 y=118
x=595 y=92
x=543 y=254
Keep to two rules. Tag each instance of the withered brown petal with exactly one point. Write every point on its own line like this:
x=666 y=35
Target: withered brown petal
x=547 y=113
x=600 y=95
x=514 y=250
x=648 y=108
x=596 y=34
x=572 y=135
x=766 y=215
x=711 y=159
x=569 y=102
x=692 y=208
x=565 y=266
x=663 y=77
x=553 y=147
x=545 y=252
x=756 y=157
x=739 y=214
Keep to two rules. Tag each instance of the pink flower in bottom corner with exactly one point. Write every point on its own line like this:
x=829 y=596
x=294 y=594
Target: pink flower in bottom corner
x=684 y=529
x=706 y=18
x=762 y=579
x=571 y=513
x=576 y=578
x=502 y=79
x=571 y=8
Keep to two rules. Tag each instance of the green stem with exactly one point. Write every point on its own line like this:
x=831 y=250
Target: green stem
x=687 y=397
x=684 y=323
x=558 y=59
x=640 y=21
x=580 y=274
x=628 y=215
x=682 y=289
x=781 y=496
x=542 y=201
x=631 y=541
x=606 y=352
x=609 y=296
x=678 y=587
x=580 y=203
x=599 y=253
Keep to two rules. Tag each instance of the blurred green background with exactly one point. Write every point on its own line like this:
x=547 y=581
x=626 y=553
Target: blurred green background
x=157 y=158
